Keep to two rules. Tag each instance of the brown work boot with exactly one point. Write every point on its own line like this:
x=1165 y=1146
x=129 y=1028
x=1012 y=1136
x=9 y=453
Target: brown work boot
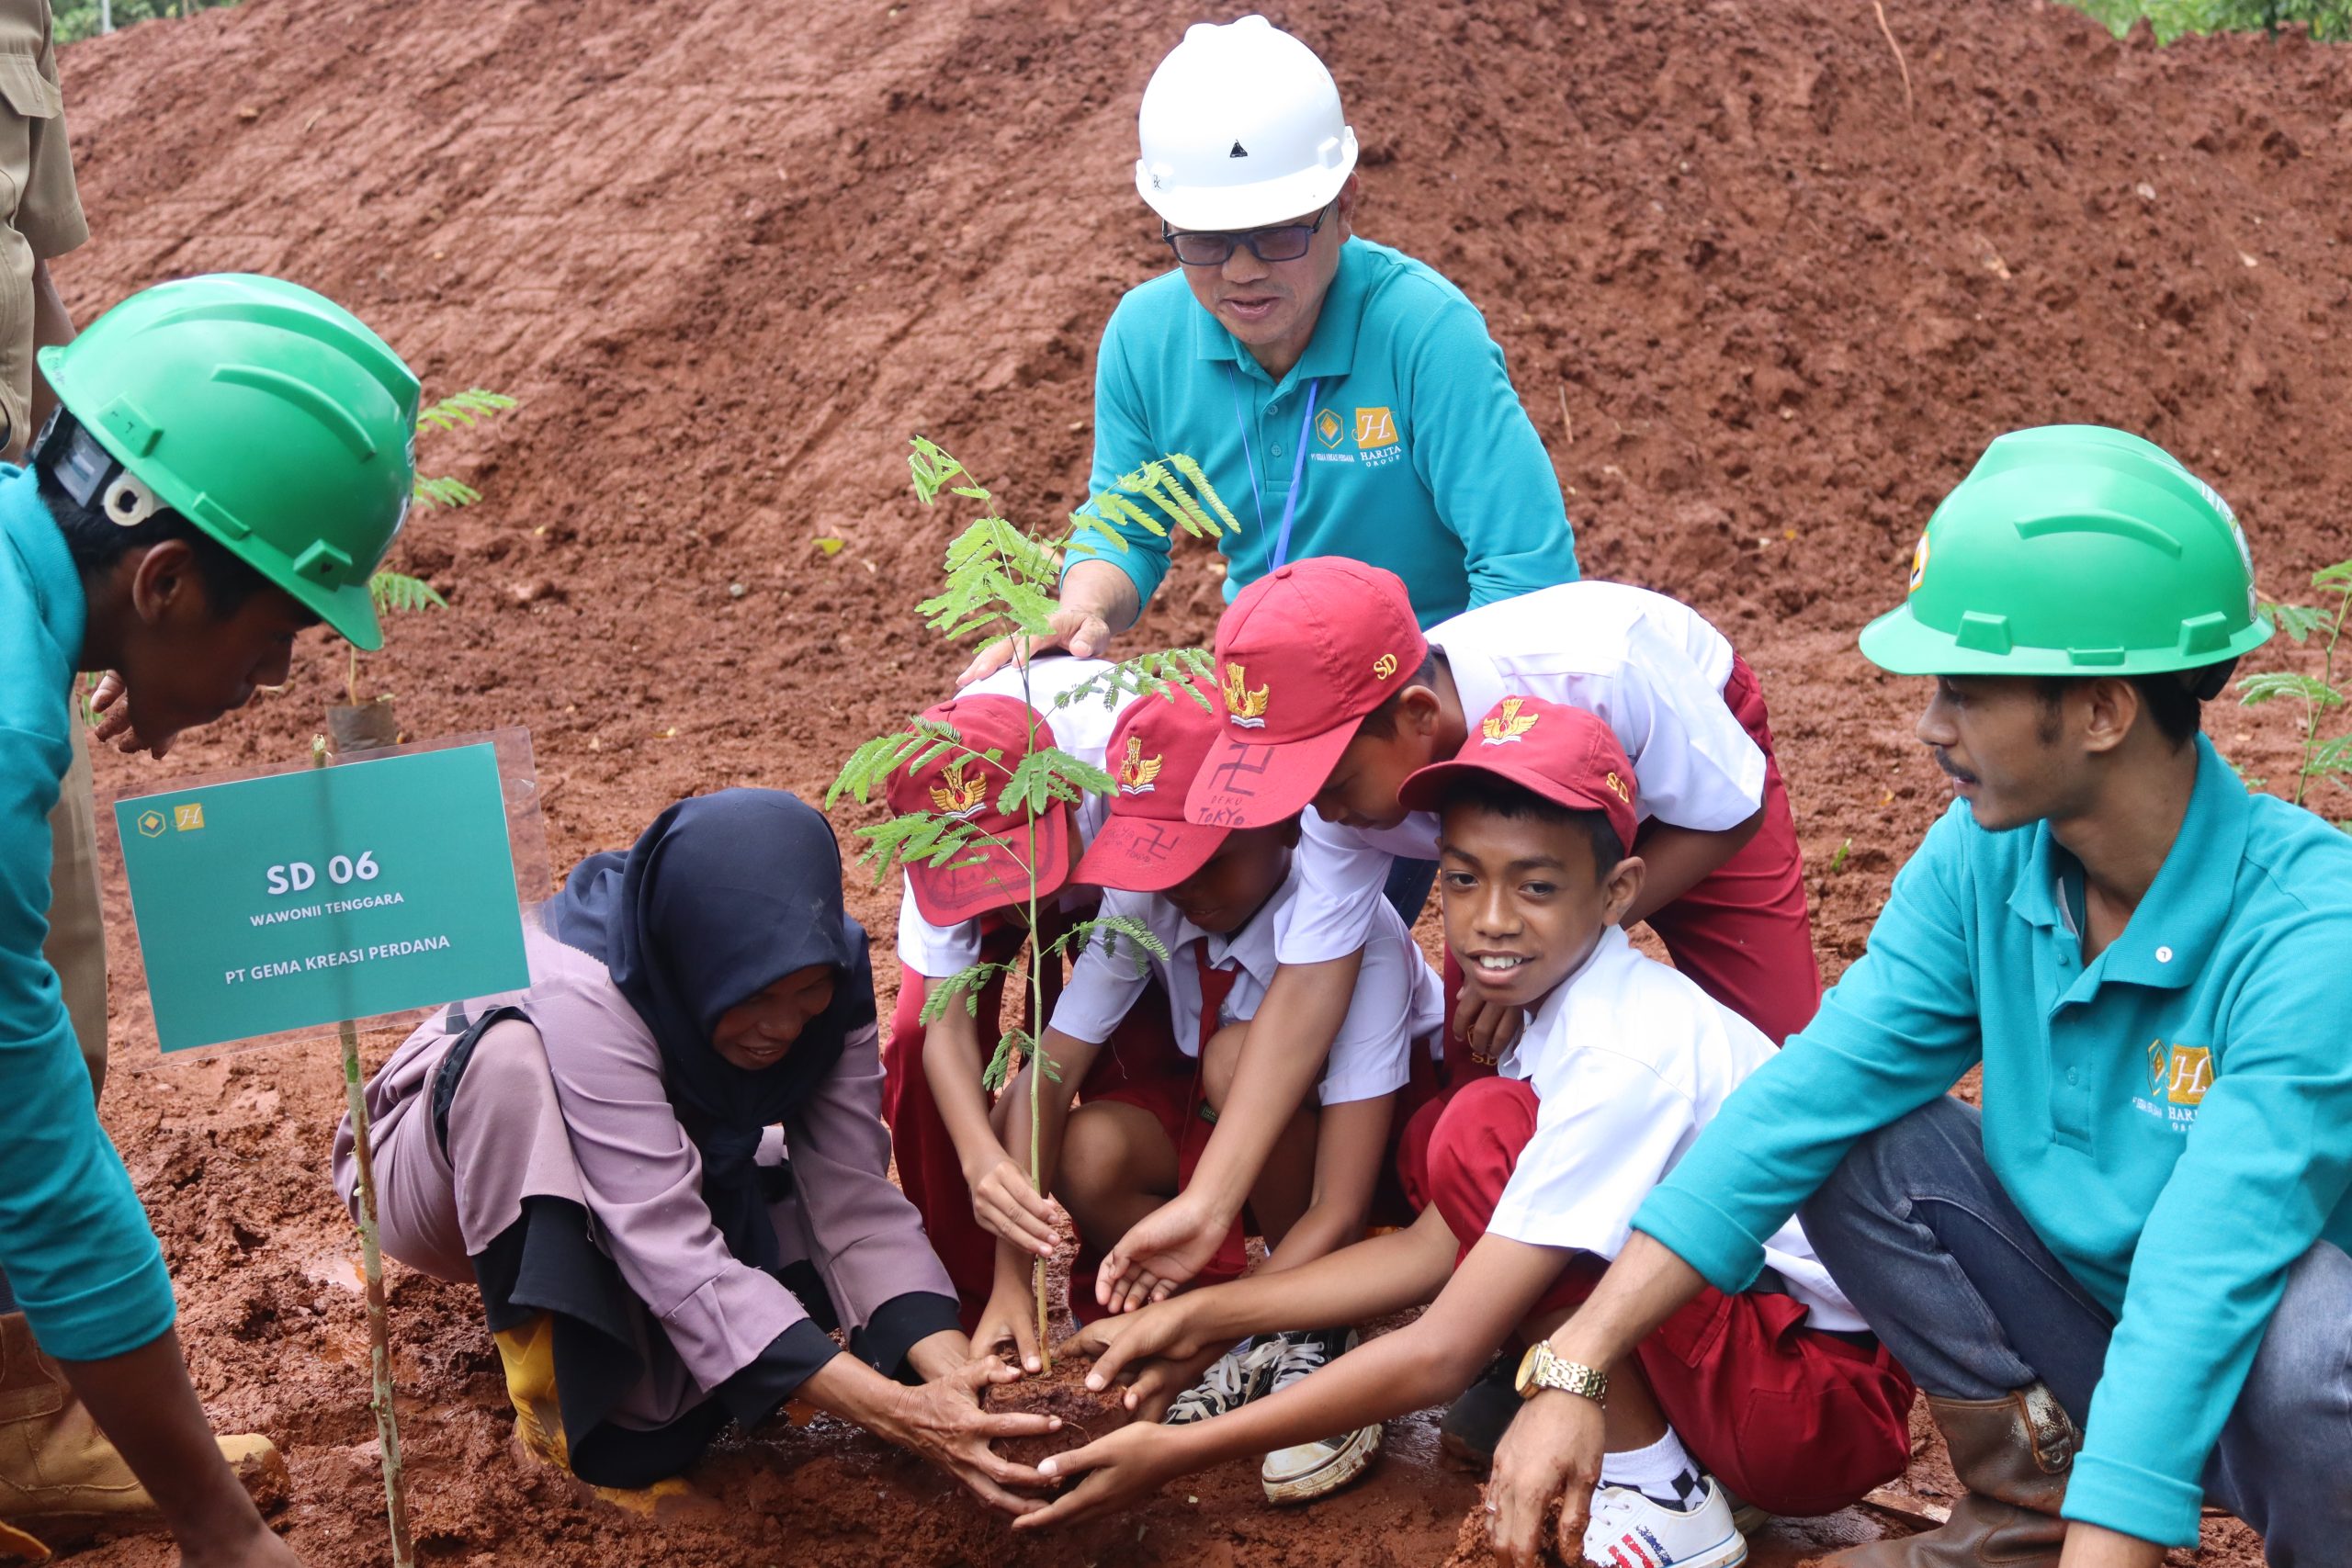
x=2013 y=1455
x=59 y=1478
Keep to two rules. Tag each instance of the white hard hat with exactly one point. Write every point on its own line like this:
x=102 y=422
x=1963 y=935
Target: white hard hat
x=1241 y=128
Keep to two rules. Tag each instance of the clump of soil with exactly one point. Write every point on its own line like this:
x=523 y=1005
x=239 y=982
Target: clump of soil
x=1762 y=311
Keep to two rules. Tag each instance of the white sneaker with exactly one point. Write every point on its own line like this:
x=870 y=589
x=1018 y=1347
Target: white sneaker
x=1305 y=1471
x=1233 y=1380
x=1628 y=1530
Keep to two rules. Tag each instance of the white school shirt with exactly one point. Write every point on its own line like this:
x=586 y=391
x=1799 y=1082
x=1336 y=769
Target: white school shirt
x=1630 y=1061
x=1082 y=729
x=1649 y=667
x=1398 y=998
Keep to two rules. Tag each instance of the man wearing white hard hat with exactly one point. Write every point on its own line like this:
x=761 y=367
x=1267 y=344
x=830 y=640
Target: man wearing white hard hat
x=1343 y=398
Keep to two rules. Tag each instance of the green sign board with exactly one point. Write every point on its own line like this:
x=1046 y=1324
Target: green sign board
x=303 y=899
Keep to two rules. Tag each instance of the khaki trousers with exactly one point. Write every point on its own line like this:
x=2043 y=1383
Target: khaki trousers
x=77 y=932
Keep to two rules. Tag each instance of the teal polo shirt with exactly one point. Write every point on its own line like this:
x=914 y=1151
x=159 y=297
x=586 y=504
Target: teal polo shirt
x=1416 y=455
x=72 y=1237
x=2174 y=1118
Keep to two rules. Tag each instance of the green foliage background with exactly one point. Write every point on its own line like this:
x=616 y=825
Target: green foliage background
x=79 y=18
x=2173 y=19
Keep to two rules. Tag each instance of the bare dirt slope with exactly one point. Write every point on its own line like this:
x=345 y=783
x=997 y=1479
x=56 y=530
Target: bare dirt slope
x=730 y=255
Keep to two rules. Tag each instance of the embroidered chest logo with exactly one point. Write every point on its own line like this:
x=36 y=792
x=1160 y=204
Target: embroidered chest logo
x=2189 y=1076
x=1136 y=771
x=1376 y=428
x=1242 y=706
x=961 y=791
x=1328 y=428
x=2181 y=1075
x=1919 y=564
x=1509 y=725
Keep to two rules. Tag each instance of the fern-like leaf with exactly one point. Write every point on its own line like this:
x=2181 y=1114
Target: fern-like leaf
x=470 y=407
x=395 y=591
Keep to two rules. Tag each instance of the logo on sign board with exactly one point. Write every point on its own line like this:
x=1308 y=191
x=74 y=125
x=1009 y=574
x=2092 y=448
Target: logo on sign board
x=150 y=824
x=188 y=818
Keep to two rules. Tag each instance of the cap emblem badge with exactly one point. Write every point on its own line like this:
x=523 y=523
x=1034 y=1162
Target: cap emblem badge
x=1242 y=706
x=1136 y=771
x=1507 y=724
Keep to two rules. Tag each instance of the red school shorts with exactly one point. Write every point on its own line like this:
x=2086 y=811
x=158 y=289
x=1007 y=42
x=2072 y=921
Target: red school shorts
x=1797 y=1420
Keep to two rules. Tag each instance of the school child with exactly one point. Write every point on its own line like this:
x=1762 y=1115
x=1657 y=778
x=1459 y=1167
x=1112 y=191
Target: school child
x=1214 y=901
x=663 y=1165
x=1334 y=697
x=952 y=1161
x=1530 y=1183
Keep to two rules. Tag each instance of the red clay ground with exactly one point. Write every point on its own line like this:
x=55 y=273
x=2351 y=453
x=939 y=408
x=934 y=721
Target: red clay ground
x=731 y=257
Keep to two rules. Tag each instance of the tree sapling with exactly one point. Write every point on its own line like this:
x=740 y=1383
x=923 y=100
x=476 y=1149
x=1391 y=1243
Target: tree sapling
x=999 y=582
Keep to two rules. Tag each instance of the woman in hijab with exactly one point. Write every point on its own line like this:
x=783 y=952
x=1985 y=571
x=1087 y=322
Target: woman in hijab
x=665 y=1165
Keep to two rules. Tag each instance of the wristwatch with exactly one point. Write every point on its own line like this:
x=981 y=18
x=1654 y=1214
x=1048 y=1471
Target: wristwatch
x=1540 y=1370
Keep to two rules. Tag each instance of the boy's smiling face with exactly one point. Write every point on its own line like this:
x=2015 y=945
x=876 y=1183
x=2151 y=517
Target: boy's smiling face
x=1525 y=896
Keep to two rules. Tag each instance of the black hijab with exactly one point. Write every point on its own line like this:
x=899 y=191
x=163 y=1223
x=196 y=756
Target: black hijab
x=724 y=896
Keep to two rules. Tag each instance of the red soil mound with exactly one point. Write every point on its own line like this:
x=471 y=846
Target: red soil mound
x=731 y=255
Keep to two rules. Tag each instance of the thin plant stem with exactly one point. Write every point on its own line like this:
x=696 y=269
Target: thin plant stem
x=372 y=1260
x=1036 y=1033
x=2311 y=704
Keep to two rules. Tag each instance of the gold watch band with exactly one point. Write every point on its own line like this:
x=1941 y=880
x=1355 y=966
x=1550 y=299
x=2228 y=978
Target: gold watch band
x=1541 y=1369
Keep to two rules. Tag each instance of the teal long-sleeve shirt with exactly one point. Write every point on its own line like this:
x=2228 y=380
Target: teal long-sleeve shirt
x=1418 y=455
x=73 y=1239
x=2174 y=1118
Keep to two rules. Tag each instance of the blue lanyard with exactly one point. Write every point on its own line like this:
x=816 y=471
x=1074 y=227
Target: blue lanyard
x=1297 y=465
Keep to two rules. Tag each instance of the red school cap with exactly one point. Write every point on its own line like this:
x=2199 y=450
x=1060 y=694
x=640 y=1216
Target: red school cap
x=1303 y=654
x=1565 y=754
x=961 y=783
x=1146 y=846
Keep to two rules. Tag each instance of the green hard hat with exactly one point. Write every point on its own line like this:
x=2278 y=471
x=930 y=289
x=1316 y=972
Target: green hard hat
x=2074 y=549
x=268 y=415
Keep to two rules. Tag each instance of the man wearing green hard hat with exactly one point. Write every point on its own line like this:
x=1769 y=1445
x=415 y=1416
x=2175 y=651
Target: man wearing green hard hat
x=231 y=459
x=2123 y=1284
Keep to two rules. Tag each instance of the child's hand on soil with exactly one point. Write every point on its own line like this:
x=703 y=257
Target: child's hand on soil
x=1160 y=1252
x=943 y=1422
x=1148 y=1350
x=1009 y=1319
x=1008 y=1207
x=1120 y=1468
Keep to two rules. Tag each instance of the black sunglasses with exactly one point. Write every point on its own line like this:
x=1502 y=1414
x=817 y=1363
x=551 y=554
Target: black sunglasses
x=1211 y=247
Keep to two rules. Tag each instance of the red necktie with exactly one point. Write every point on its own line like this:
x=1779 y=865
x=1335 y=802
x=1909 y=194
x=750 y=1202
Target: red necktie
x=1215 y=985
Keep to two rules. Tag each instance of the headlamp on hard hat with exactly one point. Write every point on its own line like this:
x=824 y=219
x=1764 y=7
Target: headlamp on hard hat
x=89 y=473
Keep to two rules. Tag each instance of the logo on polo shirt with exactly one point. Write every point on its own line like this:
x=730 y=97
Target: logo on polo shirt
x=1506 y=725
x=1328 y=428
x=1242 y=706
x=1376 y=428
x=1138 y=771
x=2191 y=1075
x=961 y=792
